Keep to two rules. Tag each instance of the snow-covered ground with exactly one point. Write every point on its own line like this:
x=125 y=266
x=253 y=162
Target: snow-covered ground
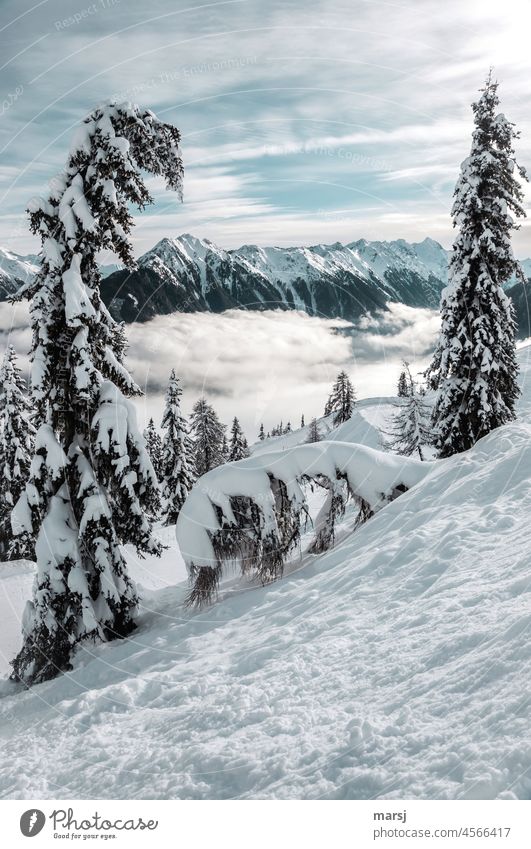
x=395 y=666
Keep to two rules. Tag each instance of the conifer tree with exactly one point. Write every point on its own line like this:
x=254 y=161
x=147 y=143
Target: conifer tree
x=342 y=399
x=154 y=448
x=302 y=420
x=210 y=442
x=474 y=368
x=403 y=386
x=92 y=486
x=238 y=448
x=177 y=461
x=225 y=446
x=261 y=435
x=16 y=448
x=314 y=434
x=410 y=430
x=287 y=429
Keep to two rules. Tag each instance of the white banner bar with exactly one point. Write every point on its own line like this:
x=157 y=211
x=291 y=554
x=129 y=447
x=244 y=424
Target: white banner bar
x=268 y=824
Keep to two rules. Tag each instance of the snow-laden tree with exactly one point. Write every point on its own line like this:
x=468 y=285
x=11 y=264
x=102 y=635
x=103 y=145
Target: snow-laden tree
x=154 y=447
x=342 y=399
x=16 y=448
x=410 y=429
x=302 y=420
x=250 y=512
x=178 y=472
x=92 y=485
x=314 y=434
x=403 y=384
x=261 y=434
x=210 y=443
x=474 y=368
x=238 y=447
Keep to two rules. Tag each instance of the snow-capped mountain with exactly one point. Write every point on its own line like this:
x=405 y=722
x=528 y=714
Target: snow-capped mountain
x=189 y=274
x=15 y=270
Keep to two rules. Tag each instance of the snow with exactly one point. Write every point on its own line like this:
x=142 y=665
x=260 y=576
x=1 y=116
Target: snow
x=393 y=666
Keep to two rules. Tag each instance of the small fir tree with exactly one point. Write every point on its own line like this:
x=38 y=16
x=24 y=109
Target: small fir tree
x=403 y=385
x=154 y=448
x=261 y=435
x=210 y=442
x=238 y=447
x=177 y=459
x=342 y=399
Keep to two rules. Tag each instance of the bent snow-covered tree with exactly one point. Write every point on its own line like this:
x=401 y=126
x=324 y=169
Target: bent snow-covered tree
x=16 y=446
x=177 y=454
x=92 y=485
x=249 y=513
x=474 y=368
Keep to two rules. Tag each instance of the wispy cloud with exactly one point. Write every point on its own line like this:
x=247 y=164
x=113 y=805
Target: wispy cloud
x=289 y=111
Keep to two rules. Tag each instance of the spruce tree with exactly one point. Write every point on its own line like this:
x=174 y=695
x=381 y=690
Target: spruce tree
x=209 y=438
x=314 y=434
x=410 y=430
x=342 y=399
x=474 y=368
x=302 y=420
x=154 y=448
x=238 y=448
x=92 y=486
x=177 y=462
x=261 y=435
x=16 y=448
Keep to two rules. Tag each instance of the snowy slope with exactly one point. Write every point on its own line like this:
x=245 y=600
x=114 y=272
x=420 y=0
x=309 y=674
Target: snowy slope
x=394 y=666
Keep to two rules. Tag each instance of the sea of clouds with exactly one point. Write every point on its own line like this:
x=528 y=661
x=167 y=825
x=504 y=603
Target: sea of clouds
x=261 y=366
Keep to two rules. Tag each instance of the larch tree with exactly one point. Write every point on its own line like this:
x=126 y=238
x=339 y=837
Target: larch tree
x=92 y=485
x=238 y=447
x=410 y=430
x=314 y=434
x=474 y=368
x=210 y=442
x=16 y=449
x=342 y=399
x=178 y=473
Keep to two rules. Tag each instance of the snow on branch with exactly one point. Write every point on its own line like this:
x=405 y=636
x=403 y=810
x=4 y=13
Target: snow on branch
x=250 y=512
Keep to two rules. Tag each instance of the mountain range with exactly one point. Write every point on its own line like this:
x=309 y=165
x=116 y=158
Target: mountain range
x=188 y=274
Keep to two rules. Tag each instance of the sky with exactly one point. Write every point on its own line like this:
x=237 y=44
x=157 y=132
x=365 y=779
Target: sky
x=302 y=122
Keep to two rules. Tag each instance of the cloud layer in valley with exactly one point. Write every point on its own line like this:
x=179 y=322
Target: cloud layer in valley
x=260 y=366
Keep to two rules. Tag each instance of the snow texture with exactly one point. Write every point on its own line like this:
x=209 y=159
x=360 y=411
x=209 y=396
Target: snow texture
x=392 y=667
